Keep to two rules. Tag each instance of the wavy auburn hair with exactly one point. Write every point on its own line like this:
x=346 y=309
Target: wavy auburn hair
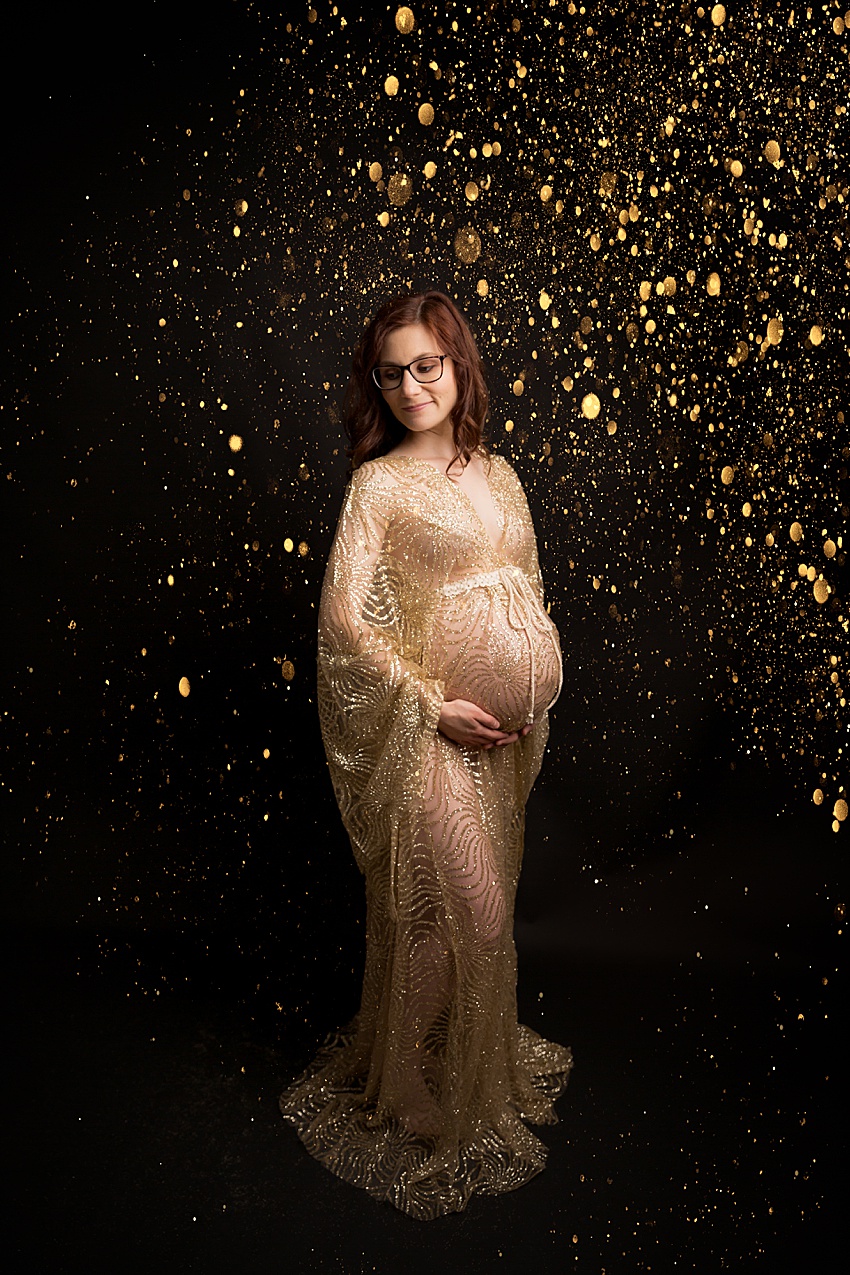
x=369 y=423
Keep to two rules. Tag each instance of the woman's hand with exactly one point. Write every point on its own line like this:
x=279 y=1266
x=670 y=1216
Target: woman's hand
x=465 y=723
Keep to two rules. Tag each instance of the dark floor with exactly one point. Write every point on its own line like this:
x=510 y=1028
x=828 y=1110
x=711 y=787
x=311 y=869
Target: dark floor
x=700 y=1132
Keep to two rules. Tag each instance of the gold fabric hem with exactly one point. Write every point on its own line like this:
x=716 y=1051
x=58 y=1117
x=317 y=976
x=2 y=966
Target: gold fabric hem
x=424 y=1177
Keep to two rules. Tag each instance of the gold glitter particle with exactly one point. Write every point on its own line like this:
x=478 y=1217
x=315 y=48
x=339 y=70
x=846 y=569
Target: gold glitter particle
x=775 y=331
x=266 y=753
x=241 y=207
x=391 y=85
x=183 y=686
x=288 y=545
x=545 y=193
x=509 y=427
x=235 y=443
x=544 y=300
x=838 y=26
x=482 y=287
x=595 y=242
x=430 y=169
x=718 y=15
x=771 y=152
x=817 y=796
x=815 y=334
x=736 y=168
x=829 y=548
x=162 y=323
x=312 y=15
x=303 y=548
x=287 y=668
x=518 y=387
x=404 y=20
x=612 y=427
x=796 y=532
x=467 y=245
x=426 y=113
x=169 y=579
x=376 y=172
x=669 y=286
x=840 y=810
x=399 y=189
x=384 y=218
x=821 y=591
x=712 y=284
x=471 y=191
x=590 y=406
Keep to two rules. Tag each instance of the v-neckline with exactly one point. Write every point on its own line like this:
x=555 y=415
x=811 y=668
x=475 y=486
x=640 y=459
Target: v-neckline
x=497 y=548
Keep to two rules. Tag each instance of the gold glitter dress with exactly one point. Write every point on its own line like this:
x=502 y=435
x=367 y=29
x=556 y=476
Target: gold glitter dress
x=421 y=1101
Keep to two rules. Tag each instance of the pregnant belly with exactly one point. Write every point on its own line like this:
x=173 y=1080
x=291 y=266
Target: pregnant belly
x=495 y=645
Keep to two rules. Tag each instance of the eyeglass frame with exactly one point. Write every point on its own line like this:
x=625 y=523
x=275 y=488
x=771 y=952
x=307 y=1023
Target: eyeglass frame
x=408 y=367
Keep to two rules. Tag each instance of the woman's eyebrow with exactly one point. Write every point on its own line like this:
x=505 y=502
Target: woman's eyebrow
x=429 y=355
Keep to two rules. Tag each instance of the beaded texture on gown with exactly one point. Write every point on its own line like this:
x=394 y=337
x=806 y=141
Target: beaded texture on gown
x=422 y=1099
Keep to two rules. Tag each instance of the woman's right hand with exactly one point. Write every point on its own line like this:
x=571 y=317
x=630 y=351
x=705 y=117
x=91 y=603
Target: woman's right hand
x=465 y=723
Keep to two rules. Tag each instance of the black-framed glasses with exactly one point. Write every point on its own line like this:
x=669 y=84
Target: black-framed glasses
x=389 y=376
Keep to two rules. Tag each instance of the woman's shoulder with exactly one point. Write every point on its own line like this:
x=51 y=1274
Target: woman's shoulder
x=376 y=475
x=500 y=465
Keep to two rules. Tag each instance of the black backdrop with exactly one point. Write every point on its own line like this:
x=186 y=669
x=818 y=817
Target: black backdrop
x=642 y=212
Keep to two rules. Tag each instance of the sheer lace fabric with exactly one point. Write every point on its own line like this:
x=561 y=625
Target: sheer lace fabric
x=421 y=1101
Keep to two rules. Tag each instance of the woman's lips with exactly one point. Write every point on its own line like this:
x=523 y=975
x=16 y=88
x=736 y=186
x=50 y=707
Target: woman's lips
x=415 y=407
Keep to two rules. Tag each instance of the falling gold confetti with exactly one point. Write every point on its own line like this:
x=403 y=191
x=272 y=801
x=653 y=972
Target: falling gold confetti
x=426 y=113
x=796 y=532
x=467 y=244
x=727 y=474
x=234 y=442
x=287 y=668
x=590 y=406
x=404 y=20
x=183 y=686
x=391 y=86
x=839 y=810
x=399 y=189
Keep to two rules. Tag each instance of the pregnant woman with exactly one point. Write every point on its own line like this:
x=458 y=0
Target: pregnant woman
x=437 y=665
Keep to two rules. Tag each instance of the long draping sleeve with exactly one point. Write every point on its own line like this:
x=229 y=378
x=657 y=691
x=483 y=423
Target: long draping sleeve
x=378 y=709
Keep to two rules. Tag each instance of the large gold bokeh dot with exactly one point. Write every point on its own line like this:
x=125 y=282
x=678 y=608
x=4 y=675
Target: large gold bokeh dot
x=467 y=244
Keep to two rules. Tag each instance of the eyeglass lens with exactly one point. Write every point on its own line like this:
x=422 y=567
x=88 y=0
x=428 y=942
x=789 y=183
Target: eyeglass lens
x=388 y=376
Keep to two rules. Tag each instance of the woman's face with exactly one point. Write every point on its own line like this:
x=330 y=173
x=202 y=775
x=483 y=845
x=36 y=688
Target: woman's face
x=419 y=408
